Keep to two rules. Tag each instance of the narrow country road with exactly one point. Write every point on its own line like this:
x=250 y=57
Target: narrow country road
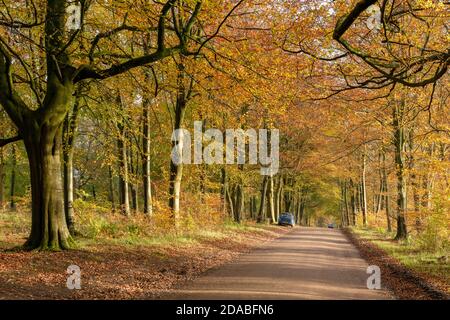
x=307 y=263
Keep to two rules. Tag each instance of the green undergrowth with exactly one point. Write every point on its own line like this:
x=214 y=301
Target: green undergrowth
x=412 y=253
x=97 y=225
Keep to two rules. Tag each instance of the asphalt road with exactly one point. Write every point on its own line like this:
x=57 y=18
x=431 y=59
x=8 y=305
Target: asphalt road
x=307 y=263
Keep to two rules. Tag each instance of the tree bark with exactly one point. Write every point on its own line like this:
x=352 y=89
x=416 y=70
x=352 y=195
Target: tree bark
x=271 y=200
x=364 y=190
x=176 y=170
x=278 y=197
x=133 y=171
x=12 y=199
x=302 y=206
x=147 y=185
x=111 y=189
x=49 y=229
x=347 y=211
x=262 y=206
x=399 y=144
x=2 y=178
x=70 y=128
x=238 y=203
x=353 y=202
x=68 y=191
x=123 y=172
x=386 y=194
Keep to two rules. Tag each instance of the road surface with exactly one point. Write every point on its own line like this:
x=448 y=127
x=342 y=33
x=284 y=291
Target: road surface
x=307 y=263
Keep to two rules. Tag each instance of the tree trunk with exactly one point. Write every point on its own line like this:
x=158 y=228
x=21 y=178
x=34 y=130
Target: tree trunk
x=399 y=143
x=262 y=206
x=271 y=200
x=364 y=191
x=123 y=177
x=227 y=201
x=386 y=194
x=380 y=196
x=427 y=182
x=353 y=202
x=413 y=176
x=147 y=185
x=111 y=189
x=302 y=207
x=2 y=178
x=358 y=197
x=176 y=170
x=70 y=128
x=239 y=203
x=12 y=203
x=278 y=197
x=134 y=198
x=347 y=213
x=176 y=174
x=68 y=191
x=48 y=228
x=133 y=170
x=123 y=163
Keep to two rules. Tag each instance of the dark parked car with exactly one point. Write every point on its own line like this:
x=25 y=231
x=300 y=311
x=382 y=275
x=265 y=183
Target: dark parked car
x=331 y=226
x=286 y=219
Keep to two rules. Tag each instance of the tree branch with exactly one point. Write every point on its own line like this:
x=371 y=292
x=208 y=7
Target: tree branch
x=4 y=142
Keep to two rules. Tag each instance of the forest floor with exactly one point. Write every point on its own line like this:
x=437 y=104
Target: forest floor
x=408 y=271
x=119 y=269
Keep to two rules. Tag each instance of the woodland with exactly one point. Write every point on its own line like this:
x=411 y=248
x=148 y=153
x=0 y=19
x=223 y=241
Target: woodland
x=92 y=90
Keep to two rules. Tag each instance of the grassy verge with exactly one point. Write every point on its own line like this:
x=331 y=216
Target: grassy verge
x=434 y=266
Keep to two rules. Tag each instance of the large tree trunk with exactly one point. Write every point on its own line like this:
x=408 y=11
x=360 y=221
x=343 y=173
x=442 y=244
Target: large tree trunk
x=399 y=143
x=48 y=228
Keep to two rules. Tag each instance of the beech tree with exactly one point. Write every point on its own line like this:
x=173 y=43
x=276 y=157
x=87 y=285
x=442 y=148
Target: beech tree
x=39 y=117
